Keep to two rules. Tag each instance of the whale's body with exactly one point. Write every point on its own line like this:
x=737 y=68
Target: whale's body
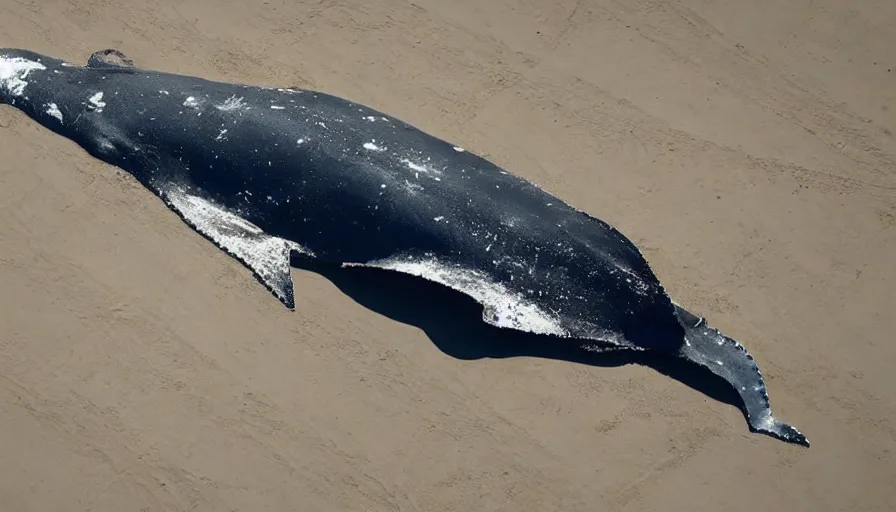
x=265 y=172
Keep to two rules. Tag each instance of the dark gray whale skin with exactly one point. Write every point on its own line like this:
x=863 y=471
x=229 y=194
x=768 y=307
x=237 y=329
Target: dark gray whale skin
x=263 y=172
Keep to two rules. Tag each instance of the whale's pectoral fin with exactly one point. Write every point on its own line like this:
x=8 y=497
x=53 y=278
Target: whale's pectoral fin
x=728 y=359
x=267 y=256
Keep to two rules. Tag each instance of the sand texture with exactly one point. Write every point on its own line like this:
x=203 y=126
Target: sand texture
x=746 y=147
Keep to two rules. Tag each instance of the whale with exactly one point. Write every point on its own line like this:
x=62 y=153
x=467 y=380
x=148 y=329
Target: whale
x=267 y=174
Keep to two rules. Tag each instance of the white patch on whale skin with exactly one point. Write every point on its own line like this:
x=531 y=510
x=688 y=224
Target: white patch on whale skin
x=14 y=71
x=191 y=102
x=501 y=306
x=420 y=168
x=638 y=284
x=459 y=149
x=53 y=110
x=96 y=101
x=372 y=147
x=106 y=145
x=277 y=107
x=412 y=188
x=232 y=103
x=221 y=135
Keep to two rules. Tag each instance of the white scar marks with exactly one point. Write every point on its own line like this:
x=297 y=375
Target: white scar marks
x=231 y=104
x=53 y=110
x=425 y=169
x=96 y=102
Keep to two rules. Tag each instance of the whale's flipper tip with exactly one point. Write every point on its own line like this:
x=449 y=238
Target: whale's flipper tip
x=266 y=255
x=774 y=428
x=729 y=360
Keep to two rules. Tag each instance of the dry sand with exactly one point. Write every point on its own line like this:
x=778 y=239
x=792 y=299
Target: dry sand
x=748 y=147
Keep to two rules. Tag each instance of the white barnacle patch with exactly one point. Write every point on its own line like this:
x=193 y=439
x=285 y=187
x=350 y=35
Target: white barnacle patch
x=231 y=104
x=370 y=146
x=191 y=102
x=164 y=92
x=502 y=307
x=459 y=149
x=14 y=71
x=53 y=110
x=96 y=102
x=221 y=135
x=277 y=107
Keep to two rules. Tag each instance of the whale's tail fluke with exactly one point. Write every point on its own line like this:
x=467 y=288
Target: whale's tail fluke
x=728 y=359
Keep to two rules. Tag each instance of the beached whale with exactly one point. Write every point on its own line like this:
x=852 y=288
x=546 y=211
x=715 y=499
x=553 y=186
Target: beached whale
x=265 y=173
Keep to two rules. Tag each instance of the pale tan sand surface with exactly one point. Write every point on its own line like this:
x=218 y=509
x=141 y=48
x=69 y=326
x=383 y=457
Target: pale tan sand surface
x=746 y=147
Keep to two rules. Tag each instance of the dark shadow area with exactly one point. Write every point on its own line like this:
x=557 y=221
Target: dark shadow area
x=454 y=323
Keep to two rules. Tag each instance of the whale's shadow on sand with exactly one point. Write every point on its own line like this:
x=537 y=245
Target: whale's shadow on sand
x=454 y=323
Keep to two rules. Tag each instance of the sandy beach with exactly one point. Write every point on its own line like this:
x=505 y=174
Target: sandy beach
x=748 y=148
